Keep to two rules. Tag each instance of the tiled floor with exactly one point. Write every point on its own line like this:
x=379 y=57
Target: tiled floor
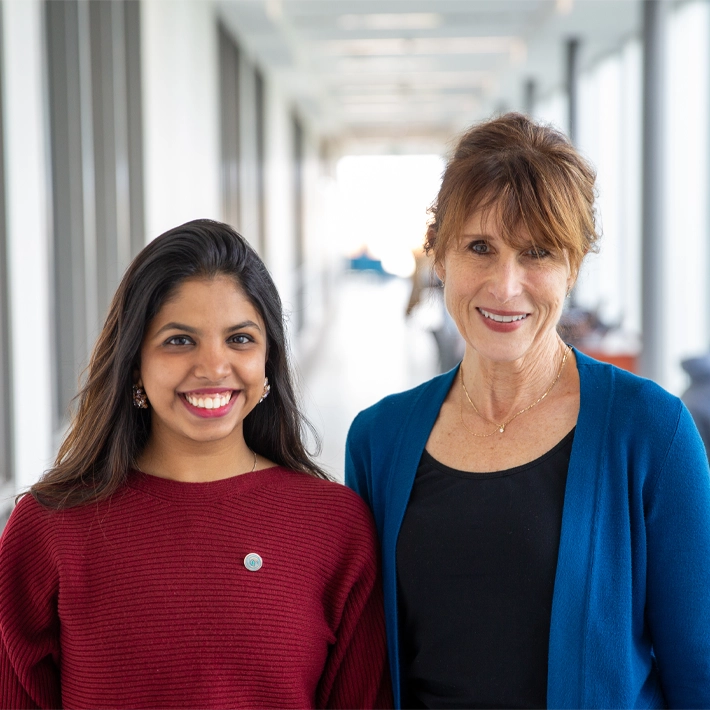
x=368 y=350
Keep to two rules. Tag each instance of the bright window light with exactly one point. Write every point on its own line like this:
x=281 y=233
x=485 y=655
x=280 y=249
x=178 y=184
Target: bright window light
x=383 y=203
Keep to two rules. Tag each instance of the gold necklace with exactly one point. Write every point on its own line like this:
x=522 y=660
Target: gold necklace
x=500 y=428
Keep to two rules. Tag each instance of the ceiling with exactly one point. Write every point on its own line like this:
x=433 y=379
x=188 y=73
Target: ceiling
x=402 y=75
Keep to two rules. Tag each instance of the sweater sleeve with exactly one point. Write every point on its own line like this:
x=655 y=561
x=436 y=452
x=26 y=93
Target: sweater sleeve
x=29 y=625
x=356 y=674
x=678 y=585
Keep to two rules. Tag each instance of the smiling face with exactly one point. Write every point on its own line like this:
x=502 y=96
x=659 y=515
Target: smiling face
x=203 y=362
x=505 y=300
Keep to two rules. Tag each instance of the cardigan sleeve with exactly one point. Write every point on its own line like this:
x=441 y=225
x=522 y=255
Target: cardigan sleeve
x=356 y=674
x=356 y=471
x=29 y=625
x=678 y=584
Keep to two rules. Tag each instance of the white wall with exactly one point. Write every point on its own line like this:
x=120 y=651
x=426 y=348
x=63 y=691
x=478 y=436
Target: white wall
x=27 y=177
x=279 y=254
x=179 y=44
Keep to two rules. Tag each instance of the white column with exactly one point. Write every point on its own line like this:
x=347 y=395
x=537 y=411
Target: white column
x=653 y=252
x=179 y=46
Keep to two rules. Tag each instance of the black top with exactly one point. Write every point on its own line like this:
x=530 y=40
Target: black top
x=476 y=563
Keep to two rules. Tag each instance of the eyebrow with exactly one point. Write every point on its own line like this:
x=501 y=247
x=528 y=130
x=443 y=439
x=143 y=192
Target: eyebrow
x=189 y=329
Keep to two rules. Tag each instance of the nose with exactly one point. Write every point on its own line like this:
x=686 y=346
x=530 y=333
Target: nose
x=212 y=362
x=506 y=279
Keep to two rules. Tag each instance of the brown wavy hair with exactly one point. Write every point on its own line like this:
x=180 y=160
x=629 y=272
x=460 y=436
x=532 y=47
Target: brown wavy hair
x=529 y=177
x=107 y=432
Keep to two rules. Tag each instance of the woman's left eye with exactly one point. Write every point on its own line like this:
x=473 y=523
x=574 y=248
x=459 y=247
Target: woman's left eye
x=241 y=339
x=538 y=252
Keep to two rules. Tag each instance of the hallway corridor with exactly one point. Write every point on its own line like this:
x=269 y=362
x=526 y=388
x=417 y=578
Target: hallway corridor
x=367 y=351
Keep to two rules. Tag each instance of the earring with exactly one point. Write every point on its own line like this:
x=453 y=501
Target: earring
x=267 y=389
x=139 y=398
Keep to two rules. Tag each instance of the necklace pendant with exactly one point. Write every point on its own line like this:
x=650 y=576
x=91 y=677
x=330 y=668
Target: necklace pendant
x=502 y=428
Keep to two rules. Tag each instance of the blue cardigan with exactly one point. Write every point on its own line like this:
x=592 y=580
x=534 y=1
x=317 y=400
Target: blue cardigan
x=630 y=623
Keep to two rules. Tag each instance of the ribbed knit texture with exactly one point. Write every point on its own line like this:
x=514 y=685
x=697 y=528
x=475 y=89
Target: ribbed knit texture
x=144 y=600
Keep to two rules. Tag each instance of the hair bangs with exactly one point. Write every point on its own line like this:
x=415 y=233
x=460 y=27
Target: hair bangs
x=529 y=178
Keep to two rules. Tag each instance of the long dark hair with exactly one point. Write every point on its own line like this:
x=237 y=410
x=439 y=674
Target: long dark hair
x=108 y=433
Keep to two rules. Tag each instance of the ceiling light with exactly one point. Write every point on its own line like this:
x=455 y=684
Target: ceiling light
x=392 y=21
x=564 y=7
x=404 y=109
x=345 y=86
x=398 y=46
x=274 y=10
x=411 y=99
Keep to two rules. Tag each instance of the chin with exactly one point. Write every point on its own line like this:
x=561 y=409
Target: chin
x=502 y=350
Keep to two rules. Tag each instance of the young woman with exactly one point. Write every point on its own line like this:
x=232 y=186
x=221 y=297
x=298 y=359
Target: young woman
x=185 y=551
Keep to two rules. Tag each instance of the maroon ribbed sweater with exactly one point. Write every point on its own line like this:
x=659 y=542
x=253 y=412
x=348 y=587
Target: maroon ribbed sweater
x=144 y=600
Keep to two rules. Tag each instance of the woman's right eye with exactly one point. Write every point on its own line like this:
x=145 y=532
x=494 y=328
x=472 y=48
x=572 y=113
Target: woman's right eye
x=479 y=247
x=178 y=340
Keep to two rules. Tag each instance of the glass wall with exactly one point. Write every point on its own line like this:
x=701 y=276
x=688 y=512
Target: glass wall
x=687 y=252
x=610 y=133
x=610 y=136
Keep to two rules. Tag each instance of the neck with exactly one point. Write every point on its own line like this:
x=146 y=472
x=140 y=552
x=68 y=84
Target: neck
x=195 y=462
x=499 y=389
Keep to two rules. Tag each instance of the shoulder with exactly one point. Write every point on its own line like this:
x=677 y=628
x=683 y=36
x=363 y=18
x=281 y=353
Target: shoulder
x=635 y=414
x=324 y=504
x=29 y=535
x=387 y=414
x=632 y=400
x=29 y=516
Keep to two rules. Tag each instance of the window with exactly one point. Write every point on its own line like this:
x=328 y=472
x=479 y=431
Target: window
x=93 y=58
x=229 y=62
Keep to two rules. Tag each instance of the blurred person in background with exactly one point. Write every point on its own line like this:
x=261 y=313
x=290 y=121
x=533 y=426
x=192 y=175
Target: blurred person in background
x=697 y=396
x=427 y=288
x=544 y=517
x=185 y=550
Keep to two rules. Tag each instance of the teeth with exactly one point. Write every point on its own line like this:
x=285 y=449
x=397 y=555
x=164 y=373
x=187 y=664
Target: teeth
x=214 y=402
x=502 y=319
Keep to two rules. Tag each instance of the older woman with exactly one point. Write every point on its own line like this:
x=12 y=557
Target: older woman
x=544 y=518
